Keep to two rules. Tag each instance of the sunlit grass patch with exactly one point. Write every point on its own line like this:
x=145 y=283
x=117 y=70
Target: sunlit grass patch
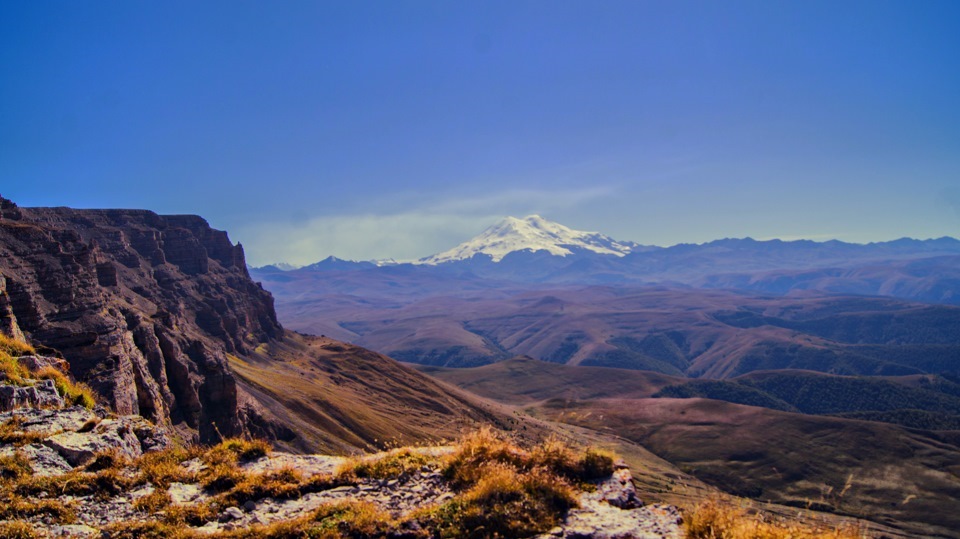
x=281 y=484
x=11 y=370
x=15 y=507
x=505 y=502
x=74 y=393
x=15 y=466
x=153 y=502
x=14 y=347
x=193 y=514
x=18 y=529
x=12 y=432
x=719 y=518
x=148 y=530
x=243 y=450
x=161 y=468
x=392 y=464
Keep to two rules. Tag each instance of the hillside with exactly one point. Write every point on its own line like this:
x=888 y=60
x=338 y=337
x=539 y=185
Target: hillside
x=160 y=317
x=524 y=381
x=903 y=478
x=928 y=402
x=673 y=330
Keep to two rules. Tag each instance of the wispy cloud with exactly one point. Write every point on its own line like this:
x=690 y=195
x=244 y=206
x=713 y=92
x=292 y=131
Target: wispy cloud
x=416 y=227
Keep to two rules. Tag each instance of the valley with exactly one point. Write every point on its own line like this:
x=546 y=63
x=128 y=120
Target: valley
x=818 y=376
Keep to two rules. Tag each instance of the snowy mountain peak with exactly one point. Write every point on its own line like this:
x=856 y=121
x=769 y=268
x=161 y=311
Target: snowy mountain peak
x=532 y=233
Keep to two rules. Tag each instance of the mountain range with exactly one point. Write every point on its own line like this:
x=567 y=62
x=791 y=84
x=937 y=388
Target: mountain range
x=534 y=250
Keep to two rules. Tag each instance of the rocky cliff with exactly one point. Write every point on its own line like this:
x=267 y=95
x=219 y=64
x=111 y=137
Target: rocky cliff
x=144 y=307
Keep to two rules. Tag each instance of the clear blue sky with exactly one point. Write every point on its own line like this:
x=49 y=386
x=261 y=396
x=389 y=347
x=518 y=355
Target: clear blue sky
x=398 y=129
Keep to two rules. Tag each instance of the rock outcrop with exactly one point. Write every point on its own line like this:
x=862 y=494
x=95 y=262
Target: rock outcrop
x=144 y=307
x=68 y=443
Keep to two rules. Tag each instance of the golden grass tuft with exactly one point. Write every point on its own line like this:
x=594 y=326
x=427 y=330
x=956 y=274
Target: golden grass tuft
x=350 y=519
x=18 y=529
x=221 y=476
x=75 y=393
x=393 y=464
x=109 y=459
x=719 y=518
x=281 y=484
x=485 y=445
x=194 y=514
x=148 y=530
x=161 y=468
x=15 y=507
x=14 y=347
x=505 y=502
x=11 y=432
x=102 y=484
x=15 y=467
x=11 y=370
x=244 y=450
x=153 y=502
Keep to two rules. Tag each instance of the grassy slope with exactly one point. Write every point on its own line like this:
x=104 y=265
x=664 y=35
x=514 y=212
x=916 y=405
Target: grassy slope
x=904 y=478
x=341 y=398
x=523 y=381
x=772 y=456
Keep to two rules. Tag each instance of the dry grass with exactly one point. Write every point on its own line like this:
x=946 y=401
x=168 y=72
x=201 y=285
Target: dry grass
x=74 y=393
x=11 y=370
x=14 y=347
x=18 y=529
x=505 y=502
x=103 y=484
x=195 y=514
x=283 y=484
x=464 y=466
x=15 y=467
x=107 y=460
x=719 y=518
x=506 y=491
x=240 y=449
x=393 y=464
x=161 y=468
x=148 y=530
x=11 y=432
x=153 y=502
x=15 y=507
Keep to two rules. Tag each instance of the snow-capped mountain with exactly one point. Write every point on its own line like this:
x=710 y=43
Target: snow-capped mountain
x=532 y=233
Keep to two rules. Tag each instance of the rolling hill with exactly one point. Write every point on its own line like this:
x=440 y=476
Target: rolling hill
x=902 y=478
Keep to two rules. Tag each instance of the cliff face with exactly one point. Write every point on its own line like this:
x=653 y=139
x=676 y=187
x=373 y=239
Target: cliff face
x=145 y=307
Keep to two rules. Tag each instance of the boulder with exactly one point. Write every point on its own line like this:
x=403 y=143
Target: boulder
x=50 y=420
x=79 y=447
x=43 y=393
x=43 y=460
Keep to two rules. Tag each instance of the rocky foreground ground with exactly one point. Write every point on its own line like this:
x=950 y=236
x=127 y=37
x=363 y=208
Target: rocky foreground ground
x=71 y=471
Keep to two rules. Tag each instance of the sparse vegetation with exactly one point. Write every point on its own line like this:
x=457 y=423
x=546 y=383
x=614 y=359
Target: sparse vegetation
x=500 y=489
x=74 y=393
x=719 y=518
x=153 y=502
x=394 y=463
x=164 y=467
x=18 y=529
x=14 y=347
x=12 y=433
x=13 y=372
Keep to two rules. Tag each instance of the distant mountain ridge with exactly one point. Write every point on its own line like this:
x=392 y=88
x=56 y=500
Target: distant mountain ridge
x=535 y=250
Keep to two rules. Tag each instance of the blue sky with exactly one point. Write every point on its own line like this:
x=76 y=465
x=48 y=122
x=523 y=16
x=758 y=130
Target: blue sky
x=398 y=129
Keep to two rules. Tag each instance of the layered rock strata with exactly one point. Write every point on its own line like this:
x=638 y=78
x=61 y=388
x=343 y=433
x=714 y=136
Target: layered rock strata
x=144 y=307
